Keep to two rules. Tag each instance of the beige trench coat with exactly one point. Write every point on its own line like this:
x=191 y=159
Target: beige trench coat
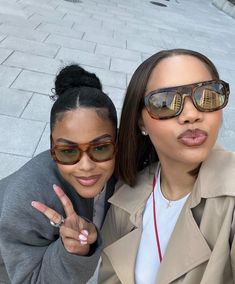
x=201 y=248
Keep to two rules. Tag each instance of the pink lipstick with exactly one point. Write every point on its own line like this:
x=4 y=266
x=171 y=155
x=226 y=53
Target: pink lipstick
x=192 y=138
x=88 y=181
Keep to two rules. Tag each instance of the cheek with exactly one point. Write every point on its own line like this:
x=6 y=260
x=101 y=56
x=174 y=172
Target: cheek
x=215 y=120
x=156 y=128
x=64 y=169
x=108 y=167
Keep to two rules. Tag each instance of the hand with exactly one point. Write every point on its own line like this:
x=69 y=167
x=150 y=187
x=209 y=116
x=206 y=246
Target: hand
x=76 y=233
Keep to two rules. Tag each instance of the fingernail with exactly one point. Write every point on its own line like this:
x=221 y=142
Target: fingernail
x=83 y=243
x=57 y=190
x=33 y=203
x=82 y=237
x=85 y=232
x=55 y=186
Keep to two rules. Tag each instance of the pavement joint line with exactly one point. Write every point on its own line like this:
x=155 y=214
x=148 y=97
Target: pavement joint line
x=145 y=29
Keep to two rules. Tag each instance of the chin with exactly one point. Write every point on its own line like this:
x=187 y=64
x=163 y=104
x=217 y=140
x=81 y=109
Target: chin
x=196 y=157
x=87 y=192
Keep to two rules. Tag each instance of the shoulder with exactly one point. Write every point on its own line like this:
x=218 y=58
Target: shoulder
x=129 y=198
x=220 y=158
x=38 y=164
x=216 y=176
x=31 y=181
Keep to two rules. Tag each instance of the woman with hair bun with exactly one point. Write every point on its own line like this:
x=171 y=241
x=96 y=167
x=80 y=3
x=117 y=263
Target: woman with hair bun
x=50 y=235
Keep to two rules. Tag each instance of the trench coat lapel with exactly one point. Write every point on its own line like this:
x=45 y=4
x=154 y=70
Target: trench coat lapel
x=122 y=255
x=187 y=248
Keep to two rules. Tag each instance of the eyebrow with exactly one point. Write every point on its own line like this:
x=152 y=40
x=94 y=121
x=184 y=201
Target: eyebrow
x=97 y=139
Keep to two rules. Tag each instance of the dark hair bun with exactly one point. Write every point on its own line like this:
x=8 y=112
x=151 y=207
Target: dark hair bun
x=74 y=76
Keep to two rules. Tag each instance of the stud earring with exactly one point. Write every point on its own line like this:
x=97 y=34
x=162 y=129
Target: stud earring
x=144 y=132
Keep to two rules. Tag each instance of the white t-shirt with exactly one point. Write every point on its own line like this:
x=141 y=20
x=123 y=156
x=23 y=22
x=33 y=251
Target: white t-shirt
x=167 y=213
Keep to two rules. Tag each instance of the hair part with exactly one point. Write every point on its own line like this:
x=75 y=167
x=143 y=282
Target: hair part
x=135 y=150
x=74 y=88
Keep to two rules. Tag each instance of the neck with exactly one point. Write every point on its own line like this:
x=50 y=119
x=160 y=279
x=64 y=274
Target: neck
x=176 y=182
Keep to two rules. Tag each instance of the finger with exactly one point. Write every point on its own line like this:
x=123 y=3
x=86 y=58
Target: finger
x=51 y=214
x=66 y=202
x=92 y=233
x=76 y=247
x=66 y=232
x=81 y=236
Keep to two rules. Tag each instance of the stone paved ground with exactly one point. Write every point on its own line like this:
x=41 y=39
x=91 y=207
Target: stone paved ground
x=108 y=37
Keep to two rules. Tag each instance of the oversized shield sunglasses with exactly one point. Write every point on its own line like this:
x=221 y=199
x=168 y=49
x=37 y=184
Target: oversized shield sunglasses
x=206 y=96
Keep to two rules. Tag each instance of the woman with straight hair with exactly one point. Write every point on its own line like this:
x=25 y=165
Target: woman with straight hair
x=171 y=218
x=63 y=244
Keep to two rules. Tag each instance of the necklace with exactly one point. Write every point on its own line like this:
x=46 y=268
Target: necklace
x=168 y=203
x=155 y=223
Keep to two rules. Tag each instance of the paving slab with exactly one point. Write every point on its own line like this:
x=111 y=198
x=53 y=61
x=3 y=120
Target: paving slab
x=4 y=54
x=65 y=41
x=108 y=77
x=116 y=95
x=13 y=102
x=38 y=108
x=68 y=55
x=33 y=81
x=118 y=52
x=52 y=28
x=33 y=62
x=103 y=39
x=10 y=8
x=8 y=75
x=12 y=129
x=18 y=21
x=29 y=46
x=11 y=163
x=122 y=65
x=44 y=142
x=25 y=33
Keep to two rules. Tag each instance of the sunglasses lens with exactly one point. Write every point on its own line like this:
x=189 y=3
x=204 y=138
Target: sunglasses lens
x=102 y=152
x=164 y=104
x=210 y=97
x=67 y=155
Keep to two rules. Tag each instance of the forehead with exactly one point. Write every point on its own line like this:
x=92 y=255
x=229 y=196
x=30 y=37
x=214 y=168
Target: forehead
x=178 y=70
x=82 y=125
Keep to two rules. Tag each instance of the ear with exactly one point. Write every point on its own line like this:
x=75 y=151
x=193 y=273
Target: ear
x=142 y=127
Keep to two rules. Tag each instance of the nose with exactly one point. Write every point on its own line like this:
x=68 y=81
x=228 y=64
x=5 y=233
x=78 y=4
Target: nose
x=86 y=164
x=189 y=113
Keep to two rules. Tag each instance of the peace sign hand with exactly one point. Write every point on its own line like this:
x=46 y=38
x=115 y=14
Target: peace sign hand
x=76 y=233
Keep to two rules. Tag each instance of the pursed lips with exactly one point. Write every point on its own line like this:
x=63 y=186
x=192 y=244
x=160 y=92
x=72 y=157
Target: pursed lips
x=193 y=137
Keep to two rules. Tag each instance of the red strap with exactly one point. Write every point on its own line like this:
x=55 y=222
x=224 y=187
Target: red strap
x=155 y=223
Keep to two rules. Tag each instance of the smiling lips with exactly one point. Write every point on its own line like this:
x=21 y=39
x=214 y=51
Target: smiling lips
x=88 y=181
x=194 y=137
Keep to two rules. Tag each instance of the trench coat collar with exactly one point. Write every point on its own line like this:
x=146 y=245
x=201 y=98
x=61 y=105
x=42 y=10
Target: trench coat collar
x=187 y=243
x=133 y=199
x=214 y=179
x=209 y=184
x=122 y=253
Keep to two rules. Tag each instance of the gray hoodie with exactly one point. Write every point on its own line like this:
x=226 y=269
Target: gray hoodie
x=31 y=250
